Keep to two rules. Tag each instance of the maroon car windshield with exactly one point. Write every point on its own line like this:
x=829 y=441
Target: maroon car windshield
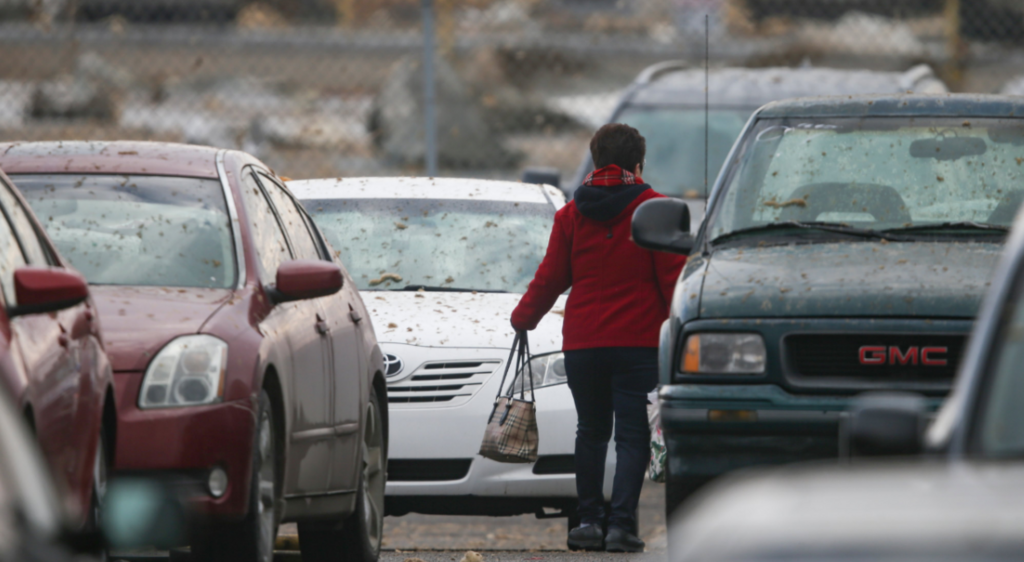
x=137 y=230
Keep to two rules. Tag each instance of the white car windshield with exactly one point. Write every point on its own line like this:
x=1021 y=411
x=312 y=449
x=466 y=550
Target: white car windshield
x=137 y=230
x=897 y=174
x=436 y=244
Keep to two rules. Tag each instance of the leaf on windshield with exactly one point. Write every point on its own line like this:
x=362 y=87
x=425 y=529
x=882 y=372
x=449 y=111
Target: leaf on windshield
x=799 y=202
x=450 y=279
x=385 y=277
x=401 y=225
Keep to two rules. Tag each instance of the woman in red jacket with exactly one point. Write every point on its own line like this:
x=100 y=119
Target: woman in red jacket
x=620 y=296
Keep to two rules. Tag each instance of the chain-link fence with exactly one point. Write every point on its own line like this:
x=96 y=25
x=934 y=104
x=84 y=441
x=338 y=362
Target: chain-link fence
x=335 y=87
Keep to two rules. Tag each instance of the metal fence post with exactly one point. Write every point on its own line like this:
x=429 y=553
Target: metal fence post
x=429 y=94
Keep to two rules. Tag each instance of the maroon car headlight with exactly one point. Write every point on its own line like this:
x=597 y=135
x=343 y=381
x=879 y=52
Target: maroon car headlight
x=188 y=371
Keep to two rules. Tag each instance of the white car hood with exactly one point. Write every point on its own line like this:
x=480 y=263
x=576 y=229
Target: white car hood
x=443 y=319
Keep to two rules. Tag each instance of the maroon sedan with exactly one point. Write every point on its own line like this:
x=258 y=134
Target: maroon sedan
x=243 y=357
x=51 y=357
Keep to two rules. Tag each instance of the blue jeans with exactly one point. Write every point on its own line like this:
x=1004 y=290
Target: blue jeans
x=611 y=383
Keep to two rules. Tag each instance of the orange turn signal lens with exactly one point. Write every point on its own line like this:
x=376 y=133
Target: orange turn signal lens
x=732 y=415
x=691 y=355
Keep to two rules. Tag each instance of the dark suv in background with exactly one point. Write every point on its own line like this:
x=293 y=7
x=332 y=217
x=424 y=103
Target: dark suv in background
x=666 y=104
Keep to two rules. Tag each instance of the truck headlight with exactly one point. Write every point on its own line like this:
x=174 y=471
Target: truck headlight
x=188 y=371
x=723 y=353
x=548 y=370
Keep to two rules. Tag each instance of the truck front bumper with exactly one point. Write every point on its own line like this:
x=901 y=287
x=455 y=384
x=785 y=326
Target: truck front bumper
x=712 y=429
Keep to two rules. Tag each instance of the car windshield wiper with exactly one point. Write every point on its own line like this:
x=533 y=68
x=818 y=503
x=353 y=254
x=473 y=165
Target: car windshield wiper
x=811 y=225
x=959 y=225
x=429 y=288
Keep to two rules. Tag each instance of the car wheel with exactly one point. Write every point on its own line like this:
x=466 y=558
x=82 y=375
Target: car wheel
x=99 y=483
x=358 y=538
x=252 y=539
x=99 y=490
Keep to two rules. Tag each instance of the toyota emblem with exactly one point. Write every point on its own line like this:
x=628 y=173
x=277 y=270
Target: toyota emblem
x=392 y=365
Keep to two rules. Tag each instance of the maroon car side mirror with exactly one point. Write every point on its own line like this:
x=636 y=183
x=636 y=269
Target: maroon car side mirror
x=306 y=279
x=47 y=289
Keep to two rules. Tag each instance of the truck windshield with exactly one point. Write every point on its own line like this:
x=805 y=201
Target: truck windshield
x=436 y=244
x=137 y=230
x=895 y=173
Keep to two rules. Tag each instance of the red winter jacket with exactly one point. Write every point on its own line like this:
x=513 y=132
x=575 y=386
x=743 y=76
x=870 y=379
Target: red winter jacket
x=620 y=292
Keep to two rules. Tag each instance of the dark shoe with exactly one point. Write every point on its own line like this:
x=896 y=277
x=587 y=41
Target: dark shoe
x=586 y=537
x=620 y=540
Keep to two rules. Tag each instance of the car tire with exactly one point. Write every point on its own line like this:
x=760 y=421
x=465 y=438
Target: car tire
x=100 y=471
x=252 y=538
x=358 y=537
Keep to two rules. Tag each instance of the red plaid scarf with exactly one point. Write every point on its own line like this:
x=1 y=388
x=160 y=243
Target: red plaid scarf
x=611 y=175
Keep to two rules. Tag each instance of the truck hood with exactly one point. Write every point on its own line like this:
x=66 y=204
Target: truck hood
x=138 y=321
x=866 y=279
x=442 y=319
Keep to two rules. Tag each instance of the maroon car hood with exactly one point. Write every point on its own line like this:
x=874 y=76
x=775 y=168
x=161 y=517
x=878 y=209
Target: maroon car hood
x=138 y=321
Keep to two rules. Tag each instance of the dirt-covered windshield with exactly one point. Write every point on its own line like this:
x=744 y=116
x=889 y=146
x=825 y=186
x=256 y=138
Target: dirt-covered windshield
x=436 y=243
x=137 y=230
x=876 y=174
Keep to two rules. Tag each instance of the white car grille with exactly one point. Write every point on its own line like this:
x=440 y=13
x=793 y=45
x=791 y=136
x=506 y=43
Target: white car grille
x=441 y=383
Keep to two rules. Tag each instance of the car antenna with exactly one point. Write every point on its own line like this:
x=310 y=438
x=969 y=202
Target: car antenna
x=707 y=91
x=707 y=44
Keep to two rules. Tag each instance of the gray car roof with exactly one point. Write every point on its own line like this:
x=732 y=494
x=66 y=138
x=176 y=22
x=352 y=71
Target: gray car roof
x=754 y=87
x=878 y=508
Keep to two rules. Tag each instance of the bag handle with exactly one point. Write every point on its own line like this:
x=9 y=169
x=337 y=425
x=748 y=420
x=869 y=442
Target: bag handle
x=522 y=366
x=521 y=353
x=508 y=365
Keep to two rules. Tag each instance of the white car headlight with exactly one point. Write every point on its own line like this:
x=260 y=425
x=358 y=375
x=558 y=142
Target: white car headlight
x=548 y=370
x=723 y=353
x=188 y=371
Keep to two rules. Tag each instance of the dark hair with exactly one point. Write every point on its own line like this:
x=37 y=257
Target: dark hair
x=619 y=144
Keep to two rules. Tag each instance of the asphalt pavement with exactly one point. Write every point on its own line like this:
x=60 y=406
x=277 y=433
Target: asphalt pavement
x=434 y=538
x=444 y=538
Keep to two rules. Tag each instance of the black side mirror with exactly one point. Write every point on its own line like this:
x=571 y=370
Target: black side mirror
x=663 y=225
x=886 y=424
x=550 y=176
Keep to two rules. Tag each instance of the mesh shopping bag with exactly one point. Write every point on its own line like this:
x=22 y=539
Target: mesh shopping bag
x=511 y=434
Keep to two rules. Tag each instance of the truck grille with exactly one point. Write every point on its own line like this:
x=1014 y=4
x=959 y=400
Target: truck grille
x=874 y=357
x=442 y=383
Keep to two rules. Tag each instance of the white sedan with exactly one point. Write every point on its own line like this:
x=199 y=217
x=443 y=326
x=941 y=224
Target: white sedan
x=442 y=263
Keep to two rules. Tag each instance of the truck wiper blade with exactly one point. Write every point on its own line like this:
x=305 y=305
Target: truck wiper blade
x=959 y=225
x=433 y=288
x=811 y=225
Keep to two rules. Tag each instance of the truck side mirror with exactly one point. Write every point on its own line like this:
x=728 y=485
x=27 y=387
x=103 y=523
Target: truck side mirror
x=886 y=424
x=550 y=176
x=663 y=225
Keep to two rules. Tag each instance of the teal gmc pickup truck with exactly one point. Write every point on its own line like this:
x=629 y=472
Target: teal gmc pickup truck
x=847 y=246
